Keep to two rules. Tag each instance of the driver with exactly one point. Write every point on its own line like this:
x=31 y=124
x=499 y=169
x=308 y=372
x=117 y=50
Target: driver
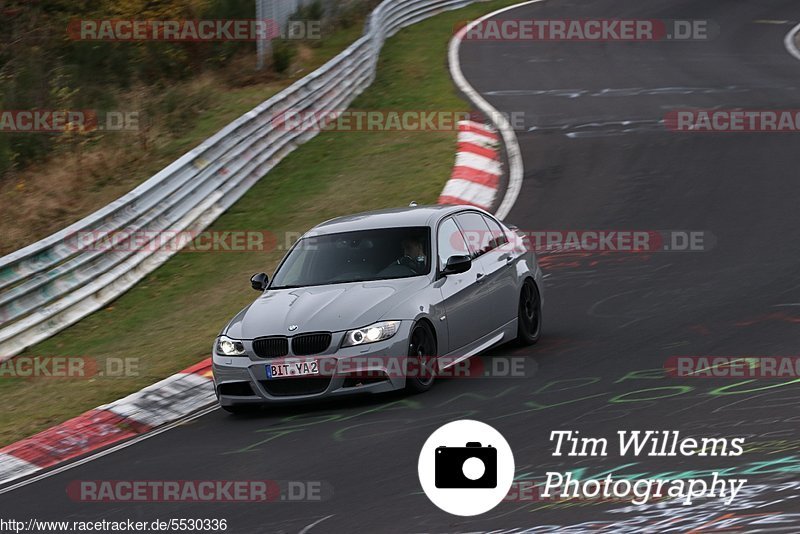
x=413 y=255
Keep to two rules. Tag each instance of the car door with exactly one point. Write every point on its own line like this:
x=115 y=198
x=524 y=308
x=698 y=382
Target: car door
x=497 y=293
x=460 y=292
x=499 y=264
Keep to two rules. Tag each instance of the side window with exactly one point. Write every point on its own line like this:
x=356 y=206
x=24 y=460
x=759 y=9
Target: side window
x=476 y=232
x=450 y=242
x=498 y=235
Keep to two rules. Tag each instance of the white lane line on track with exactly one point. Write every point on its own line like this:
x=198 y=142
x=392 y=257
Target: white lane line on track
x=790 y=42
x=115 y=448
x=515 y=166
x=315 y=523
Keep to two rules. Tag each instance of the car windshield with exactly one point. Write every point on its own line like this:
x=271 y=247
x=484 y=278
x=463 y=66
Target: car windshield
x=380 y=254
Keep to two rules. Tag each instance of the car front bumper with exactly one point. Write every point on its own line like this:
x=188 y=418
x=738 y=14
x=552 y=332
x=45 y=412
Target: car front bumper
x=242 y=380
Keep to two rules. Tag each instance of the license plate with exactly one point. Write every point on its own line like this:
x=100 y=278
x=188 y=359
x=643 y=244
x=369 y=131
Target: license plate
x=292 y=368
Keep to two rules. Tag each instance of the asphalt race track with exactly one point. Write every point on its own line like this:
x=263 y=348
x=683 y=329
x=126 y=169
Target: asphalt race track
x=596 y=157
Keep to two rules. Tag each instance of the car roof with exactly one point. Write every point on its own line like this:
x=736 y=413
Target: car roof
x=388 y=218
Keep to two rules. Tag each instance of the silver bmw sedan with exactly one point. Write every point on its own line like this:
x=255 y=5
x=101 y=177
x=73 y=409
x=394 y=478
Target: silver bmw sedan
x=379 y=301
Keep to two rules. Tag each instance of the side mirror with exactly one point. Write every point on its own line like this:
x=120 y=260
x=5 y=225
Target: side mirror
x=457 y=264
x=259 y=281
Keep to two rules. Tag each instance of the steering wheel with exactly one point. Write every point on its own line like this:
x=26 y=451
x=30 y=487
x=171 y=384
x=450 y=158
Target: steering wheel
x=408 y=261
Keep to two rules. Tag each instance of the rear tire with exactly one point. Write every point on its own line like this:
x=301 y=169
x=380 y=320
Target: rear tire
x=421 y=350
x=529 y=315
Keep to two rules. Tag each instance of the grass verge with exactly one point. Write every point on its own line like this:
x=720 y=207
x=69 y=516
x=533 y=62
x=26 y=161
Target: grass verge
x=171 y=318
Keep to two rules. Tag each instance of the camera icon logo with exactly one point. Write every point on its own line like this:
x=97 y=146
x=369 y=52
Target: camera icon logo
x=472 y=466
x=464 y=476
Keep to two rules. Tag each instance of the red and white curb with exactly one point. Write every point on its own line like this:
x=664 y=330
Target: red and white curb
x=476 y=174
x=163 y=402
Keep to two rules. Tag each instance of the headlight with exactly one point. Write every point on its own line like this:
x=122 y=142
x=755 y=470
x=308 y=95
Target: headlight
x=371 y=333
x=229 y=347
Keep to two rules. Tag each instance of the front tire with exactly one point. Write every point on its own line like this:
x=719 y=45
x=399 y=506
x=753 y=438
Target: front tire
x=529 y=315
x=422 y=352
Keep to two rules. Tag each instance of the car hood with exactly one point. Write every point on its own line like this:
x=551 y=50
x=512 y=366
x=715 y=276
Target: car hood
x=329 y=308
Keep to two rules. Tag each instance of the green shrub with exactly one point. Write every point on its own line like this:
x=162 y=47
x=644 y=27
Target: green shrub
x=282 y=54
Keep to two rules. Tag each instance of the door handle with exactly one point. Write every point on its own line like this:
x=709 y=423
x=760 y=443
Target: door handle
x=479 y=278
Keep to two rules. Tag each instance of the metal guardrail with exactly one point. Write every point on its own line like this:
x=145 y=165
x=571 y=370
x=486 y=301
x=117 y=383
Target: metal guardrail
x=55 y=282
